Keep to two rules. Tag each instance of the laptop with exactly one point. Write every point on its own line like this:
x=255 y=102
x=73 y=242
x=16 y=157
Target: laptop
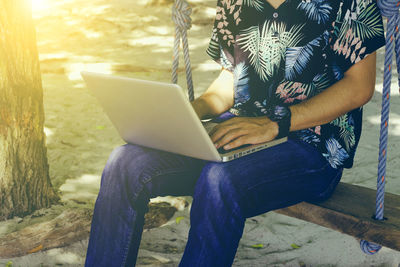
x=159 y=115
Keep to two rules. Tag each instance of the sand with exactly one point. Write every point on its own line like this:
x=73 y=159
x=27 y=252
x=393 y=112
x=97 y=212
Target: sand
x=134 y=38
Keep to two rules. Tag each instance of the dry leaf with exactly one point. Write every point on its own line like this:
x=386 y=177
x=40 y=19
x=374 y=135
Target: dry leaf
x=38 y=248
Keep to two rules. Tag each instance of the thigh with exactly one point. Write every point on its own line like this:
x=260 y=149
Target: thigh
x=150 y=172
x=280 y=176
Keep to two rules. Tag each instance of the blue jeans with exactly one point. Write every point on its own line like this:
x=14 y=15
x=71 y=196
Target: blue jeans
x=224 y=195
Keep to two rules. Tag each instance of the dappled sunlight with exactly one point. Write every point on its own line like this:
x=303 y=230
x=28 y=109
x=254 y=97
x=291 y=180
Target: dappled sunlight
x=178 y=202
x=135 y=38
x=162 y=50
x=208 y=65
x=81 y=189
x=93 y=10
x=80 y=85
x=75 y=69
x=48 y=132
x=394 y=123
x=54 y=56
x=161 y=30
x=41 y=8
x=209 y=11
x=72 y=22
x=159 y=41
x=92 y=34
x=150 y=18
x=394 y=88
x=65 y=257
x=39 y=5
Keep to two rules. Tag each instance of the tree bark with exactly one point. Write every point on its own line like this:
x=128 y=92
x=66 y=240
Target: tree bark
x=24 y=172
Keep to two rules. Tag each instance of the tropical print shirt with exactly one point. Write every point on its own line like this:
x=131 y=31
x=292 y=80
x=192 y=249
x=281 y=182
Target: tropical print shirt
x=285 y=55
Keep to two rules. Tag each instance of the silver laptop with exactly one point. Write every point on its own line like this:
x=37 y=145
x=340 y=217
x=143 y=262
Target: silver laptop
x=158 y=115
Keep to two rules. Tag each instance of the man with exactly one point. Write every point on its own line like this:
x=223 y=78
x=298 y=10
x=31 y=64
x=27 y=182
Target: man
x=301 y=69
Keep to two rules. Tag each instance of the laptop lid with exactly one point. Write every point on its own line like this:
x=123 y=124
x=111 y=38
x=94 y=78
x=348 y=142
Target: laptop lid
x=152 y=114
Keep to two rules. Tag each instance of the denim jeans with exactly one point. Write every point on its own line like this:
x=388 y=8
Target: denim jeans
x=224 y=195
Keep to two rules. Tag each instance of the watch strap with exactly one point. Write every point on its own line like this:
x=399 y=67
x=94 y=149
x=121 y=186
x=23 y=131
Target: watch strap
x=282 y=116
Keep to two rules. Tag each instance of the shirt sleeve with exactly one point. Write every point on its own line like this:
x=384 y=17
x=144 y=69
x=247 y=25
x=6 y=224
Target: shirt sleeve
x=357 y=32
x=221 y=45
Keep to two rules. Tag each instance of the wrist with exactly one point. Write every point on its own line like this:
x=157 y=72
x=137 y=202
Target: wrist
x=271 y=126
x=281 y=115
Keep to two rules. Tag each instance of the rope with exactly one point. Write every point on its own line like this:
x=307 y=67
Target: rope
x=389 y=9
x=181 y=16
x=181 y=12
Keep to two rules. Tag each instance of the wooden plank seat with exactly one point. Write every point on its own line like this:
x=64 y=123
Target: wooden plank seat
x=349 y=210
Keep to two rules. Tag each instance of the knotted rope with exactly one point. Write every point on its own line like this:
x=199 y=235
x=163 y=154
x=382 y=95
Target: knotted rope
x=181 y=16
x=390 y=10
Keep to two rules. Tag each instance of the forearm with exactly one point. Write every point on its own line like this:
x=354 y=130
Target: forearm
x=218 y=97
x=354 y=90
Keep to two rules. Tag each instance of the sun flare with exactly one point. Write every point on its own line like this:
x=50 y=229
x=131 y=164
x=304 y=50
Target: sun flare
x=39 y=5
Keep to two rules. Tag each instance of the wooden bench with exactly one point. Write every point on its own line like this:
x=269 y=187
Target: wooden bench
x=349 y=210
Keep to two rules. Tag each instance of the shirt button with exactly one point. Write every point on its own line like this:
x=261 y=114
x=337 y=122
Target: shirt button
x=275 y=15
x=326 y=65
x=324 y=56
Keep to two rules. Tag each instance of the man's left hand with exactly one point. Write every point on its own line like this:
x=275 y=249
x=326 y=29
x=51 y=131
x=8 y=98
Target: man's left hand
x=240 y=131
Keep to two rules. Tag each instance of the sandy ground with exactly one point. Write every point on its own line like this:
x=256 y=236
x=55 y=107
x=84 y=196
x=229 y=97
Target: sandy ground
x=134 y=38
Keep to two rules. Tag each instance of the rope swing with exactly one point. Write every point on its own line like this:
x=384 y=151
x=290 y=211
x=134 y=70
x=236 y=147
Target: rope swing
x=181 y=12
x=390 y=10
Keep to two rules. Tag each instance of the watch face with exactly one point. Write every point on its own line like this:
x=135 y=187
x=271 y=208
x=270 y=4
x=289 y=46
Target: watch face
x=279 y=112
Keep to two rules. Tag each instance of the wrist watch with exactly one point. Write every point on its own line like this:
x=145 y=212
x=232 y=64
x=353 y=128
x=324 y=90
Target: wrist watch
x=281 y=115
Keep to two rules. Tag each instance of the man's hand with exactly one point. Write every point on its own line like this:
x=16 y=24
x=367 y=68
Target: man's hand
x=240 y=131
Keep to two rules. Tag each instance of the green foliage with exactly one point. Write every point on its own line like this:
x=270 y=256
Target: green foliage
x=293 y=245
x=9 y=264
x=178 y=219
x=257 y=246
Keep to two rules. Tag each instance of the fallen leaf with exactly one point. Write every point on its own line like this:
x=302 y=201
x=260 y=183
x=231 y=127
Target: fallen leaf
x=293 y=245
x=38 y=248
x=178 y=219
x=257 y=246
x=100 y=127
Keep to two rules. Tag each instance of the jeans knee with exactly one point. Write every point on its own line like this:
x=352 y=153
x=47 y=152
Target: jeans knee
x=215 y=182
x=123 y=171
x=217 y=197
x=121 y=156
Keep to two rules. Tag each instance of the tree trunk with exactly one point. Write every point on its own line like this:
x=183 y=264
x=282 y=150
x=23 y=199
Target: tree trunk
x=24 y=172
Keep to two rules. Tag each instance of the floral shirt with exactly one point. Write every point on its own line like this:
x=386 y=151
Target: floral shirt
x=286 y=55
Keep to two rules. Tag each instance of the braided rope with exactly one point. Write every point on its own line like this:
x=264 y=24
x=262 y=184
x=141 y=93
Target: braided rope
x=389 y=9
x=181 y=16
